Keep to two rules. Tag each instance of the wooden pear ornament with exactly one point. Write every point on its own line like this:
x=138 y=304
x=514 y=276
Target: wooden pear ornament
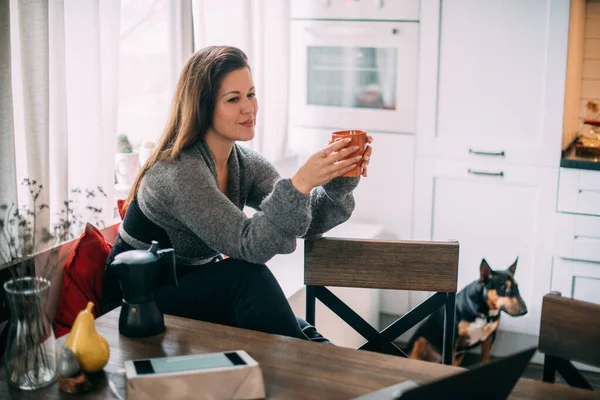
x=89 y=347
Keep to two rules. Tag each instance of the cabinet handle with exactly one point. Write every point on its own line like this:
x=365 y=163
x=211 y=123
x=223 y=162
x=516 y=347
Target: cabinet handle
x=340 y=31
x=485 y=153
x=586 y=237
x=588 y=190
x=499 y=174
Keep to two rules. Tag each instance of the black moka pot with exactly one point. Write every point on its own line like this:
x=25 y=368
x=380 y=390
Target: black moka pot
x=140 y=273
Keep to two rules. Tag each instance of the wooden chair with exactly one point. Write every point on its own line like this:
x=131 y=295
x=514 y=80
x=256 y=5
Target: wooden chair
x=569 y=331
x=379 y=264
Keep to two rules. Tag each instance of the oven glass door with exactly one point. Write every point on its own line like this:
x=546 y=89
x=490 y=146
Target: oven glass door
x=354 y=75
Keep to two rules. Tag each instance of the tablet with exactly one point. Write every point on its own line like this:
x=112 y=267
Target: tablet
x=188 y=363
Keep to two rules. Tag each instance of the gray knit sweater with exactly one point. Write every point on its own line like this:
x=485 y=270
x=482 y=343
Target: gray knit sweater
x=183 y=198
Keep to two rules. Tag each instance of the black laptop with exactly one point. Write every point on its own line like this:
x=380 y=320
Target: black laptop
x=492 y=381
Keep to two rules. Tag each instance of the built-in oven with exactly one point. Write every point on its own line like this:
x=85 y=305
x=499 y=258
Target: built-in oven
x=354 y=64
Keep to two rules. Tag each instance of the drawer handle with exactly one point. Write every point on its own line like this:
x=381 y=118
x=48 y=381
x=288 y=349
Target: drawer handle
x=341 y=31
x=586 y=237
x=498 y=174
x=486 y=153
x=588 y=190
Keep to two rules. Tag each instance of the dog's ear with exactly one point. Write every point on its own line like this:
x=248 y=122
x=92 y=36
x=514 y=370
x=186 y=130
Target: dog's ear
x=485 y=271
x=513 y=268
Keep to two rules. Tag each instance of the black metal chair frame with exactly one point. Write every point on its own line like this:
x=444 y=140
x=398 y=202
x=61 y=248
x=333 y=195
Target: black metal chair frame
x=383 y=341
x=566 y=369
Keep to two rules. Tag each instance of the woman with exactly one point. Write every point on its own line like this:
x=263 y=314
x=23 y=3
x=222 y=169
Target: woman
x=191 y=192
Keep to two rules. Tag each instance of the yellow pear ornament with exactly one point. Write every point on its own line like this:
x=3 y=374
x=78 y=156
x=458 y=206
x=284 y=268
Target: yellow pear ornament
x=89 y=347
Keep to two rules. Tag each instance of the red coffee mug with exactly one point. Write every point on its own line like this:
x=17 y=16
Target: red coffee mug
x=358 y=138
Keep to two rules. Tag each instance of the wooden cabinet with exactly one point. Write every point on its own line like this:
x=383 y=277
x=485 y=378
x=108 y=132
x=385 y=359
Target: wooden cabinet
x=500 y=70
x=496 y=211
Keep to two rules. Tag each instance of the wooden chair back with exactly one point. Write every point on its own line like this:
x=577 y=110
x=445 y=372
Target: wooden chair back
x=570 y=329
x=382 y=264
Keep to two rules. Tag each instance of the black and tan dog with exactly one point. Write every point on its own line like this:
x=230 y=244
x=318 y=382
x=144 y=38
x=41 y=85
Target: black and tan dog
x=478 y=309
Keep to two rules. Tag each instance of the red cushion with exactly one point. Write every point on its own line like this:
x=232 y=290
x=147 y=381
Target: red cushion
x=82 y=278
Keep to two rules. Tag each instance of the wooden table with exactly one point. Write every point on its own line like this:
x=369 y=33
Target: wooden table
x=292 y=368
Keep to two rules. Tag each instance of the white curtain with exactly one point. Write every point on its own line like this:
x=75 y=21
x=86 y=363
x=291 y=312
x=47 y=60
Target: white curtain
x=58 y=99
x=261 y=29
x=8 y=177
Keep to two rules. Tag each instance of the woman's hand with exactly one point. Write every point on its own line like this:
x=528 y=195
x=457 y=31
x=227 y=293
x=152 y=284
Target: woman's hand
x=325 y=165
x=366 y=157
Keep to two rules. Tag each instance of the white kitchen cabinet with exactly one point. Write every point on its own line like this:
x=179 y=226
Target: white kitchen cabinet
x=576 y=266
x=578 y=237
x=579 y=191
x=577 y=279
x=500 y=72
x=497 y=212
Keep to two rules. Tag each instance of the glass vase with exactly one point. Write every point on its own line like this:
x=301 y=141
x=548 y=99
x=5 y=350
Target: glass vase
x=30 y=361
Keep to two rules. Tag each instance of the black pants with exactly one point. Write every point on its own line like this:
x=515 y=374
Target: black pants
x=229 y=292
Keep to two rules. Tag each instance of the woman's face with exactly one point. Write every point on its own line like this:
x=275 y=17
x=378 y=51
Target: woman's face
x=236 y=107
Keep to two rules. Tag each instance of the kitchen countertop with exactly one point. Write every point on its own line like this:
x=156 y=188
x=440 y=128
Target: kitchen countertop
x=570 y=160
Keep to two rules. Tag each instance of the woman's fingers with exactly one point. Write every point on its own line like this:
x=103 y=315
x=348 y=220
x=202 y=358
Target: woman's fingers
x=367 y=153
x=335 y=146
x=345 y=157
x=365 y=162
x=338 y=158
x=343 y=166
x=348 y=169
x=342 y=154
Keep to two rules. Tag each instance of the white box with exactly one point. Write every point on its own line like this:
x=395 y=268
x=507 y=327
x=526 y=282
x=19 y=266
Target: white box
x=226 y=375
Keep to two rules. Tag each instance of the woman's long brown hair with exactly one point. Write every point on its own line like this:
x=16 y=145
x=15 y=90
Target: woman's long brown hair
x=193 y=104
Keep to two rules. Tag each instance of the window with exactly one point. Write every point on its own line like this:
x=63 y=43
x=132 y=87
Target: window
x=155 y=39
x=145 y=88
